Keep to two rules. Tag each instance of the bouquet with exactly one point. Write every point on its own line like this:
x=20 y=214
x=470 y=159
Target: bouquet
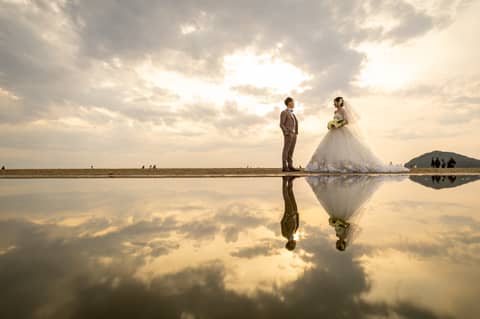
x=335 y=124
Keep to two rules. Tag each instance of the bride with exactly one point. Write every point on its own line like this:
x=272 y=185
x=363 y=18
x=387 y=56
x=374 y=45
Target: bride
x=344 y=199
x=344 y=149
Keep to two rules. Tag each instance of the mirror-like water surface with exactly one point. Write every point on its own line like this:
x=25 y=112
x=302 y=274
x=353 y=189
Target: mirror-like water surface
x=330 y=247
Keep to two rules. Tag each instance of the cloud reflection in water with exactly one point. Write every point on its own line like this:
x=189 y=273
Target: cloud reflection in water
x=214 y=250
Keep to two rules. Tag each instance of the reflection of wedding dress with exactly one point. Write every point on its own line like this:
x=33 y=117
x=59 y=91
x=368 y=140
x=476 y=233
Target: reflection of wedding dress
x=345 y=149
x=343 y=198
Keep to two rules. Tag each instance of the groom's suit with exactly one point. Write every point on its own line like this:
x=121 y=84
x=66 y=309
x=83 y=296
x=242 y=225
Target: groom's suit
x=289 y=223
x=289 y=126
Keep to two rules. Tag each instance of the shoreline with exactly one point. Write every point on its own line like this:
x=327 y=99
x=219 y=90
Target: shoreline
x=201 y=172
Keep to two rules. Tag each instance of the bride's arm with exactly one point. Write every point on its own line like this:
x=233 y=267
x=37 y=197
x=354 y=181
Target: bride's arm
x=344 y=116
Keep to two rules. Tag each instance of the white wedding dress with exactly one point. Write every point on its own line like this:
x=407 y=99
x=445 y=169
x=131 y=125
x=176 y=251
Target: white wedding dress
x=345 y=149
x=344 y=197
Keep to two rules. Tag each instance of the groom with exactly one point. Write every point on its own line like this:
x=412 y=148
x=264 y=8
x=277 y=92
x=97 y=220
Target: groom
x=289 y=126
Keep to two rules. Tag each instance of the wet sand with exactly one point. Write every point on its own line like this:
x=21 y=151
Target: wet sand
x=201 y=172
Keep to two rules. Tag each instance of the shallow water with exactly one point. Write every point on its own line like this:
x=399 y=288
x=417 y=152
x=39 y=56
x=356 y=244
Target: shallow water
x=360 y=247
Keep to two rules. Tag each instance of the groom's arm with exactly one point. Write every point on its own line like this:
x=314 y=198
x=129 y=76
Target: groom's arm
x=283 y=120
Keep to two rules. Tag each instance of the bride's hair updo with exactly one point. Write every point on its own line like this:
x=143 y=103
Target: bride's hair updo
x=339 y=99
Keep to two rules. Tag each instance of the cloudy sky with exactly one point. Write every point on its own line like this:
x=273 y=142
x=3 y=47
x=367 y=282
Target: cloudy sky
x=201 y=83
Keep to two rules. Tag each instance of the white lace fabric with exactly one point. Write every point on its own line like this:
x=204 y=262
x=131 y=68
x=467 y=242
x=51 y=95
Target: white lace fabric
x=346 y=149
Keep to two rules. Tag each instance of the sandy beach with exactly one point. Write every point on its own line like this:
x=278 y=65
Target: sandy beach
x=199 y=172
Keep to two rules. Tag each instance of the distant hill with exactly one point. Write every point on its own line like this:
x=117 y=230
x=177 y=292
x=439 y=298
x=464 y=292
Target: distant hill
x=424 y=161
x=439 y=182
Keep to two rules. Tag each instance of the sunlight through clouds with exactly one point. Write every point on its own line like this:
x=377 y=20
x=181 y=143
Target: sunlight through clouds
x=383 y=69
x=207 y=75
x=265 y=71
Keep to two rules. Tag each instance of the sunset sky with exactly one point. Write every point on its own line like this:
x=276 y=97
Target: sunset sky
x=202 y=83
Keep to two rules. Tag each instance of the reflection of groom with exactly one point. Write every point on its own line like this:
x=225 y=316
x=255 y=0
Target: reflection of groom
x=289 y=126
x=290 y=218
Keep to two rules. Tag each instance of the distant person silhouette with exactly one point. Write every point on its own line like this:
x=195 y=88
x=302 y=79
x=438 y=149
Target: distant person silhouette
x=443 y=163
x=437 y=163
x=432 y=163
x=290 y=219
x=451 y=163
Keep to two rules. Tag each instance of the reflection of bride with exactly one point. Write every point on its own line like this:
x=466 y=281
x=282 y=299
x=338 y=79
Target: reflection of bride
x=343 y=198
x=345 y=148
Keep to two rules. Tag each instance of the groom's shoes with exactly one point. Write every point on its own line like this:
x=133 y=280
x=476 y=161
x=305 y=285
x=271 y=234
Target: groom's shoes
x=293 y=169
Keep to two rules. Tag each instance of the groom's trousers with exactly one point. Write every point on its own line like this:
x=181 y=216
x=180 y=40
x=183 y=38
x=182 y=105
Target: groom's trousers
x=289 y=142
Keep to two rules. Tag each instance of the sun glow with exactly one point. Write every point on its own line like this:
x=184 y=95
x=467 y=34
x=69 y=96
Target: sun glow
x=384 y=69
x=263 y=71
x=263 y=74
